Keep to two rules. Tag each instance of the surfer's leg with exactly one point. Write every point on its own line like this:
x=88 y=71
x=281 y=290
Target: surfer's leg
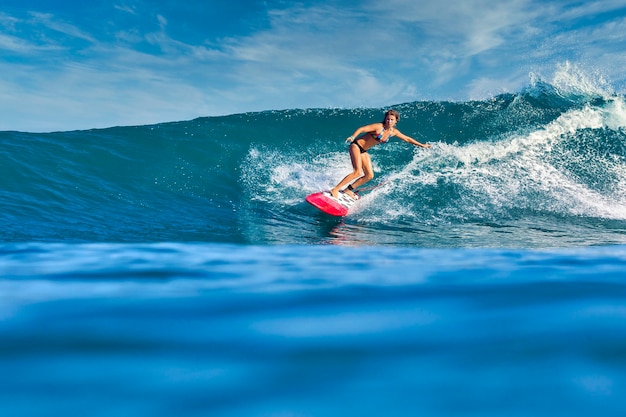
x=357 y=165
x=368 y=172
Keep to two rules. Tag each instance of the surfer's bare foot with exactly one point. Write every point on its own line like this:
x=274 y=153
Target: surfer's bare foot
x=350 y=194
x=334 y=192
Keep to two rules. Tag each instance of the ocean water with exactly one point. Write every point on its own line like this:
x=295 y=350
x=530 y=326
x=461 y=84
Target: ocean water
x=175 y=269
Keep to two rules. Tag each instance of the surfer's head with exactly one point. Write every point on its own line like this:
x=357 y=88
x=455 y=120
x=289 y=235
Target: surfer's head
x=393 y=113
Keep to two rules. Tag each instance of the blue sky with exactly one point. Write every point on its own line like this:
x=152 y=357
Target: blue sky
x=74 y=65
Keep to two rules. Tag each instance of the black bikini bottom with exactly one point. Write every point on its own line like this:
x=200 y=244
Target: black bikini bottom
x=354 y=142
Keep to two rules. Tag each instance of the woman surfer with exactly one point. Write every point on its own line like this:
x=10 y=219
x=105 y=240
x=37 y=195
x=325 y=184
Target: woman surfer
x=372 y=135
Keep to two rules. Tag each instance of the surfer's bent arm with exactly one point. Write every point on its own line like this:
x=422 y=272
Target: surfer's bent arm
x=363 y=129
x=410 y=140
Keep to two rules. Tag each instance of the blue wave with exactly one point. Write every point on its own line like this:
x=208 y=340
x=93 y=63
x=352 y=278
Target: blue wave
x=537 y=168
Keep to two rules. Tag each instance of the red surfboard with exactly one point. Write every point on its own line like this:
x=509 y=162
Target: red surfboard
x=330 y=205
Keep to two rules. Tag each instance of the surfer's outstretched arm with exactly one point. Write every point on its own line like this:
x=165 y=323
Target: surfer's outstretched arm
x=411 y=140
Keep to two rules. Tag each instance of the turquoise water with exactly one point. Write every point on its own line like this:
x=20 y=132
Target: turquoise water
x=531 y=170
x=175 y=269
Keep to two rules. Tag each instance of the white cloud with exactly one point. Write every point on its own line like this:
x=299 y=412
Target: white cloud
x=8 y=22
x=570 y=11
x=15 y=44
x=371 y=55
x=49 y=21
x=467 y=28
x=125 y=8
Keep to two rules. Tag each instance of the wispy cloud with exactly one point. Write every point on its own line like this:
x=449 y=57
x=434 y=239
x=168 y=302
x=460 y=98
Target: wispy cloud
x=566 y=10
x=125 y=8
x=17 y=45
x=49 y=21
x=305 y=54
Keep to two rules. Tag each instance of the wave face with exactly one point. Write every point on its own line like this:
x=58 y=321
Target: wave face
x=543 y=167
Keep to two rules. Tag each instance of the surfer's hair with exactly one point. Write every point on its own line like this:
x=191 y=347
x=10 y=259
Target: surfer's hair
x=393 y=113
